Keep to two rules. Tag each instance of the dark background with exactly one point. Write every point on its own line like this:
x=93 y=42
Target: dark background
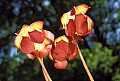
x=101 y=48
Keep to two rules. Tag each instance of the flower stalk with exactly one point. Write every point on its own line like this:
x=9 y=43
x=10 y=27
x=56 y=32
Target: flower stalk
x=85 y=65
x=46 y=75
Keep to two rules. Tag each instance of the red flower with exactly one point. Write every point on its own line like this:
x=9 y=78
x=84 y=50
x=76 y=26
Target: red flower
x=34 y=41
x=63 y=48
x=76 y=23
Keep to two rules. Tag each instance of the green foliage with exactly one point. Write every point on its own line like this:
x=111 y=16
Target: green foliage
x=116 y=76
x=99 y=58
x=13 y=67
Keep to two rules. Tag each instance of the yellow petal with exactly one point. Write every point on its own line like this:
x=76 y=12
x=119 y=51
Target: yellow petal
x=38 y=25
x=51 y=57
x=81 y=9
x=24 y=30
x=64 y=38
x=90 y=23
x=47 y=41
x=64 y=20
x=39 y=46
x=17 y=41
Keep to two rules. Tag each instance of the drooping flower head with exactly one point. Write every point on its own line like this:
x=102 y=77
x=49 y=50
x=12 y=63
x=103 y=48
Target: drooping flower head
x=33 y=40
x=63 y=49
x=76 y=23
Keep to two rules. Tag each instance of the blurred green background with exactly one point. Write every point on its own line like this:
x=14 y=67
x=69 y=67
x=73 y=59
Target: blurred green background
x=101 y=48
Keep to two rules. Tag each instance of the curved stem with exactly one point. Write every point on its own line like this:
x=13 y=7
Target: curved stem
x=85 y=65
x=46 y=75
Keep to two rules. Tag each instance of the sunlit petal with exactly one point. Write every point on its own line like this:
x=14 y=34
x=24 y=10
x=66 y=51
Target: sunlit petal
x=81 y=9
x=24 y=30
x=64 y=20
x=47 y=41
x=38 y=25
x=17 y=41
x=39 y=47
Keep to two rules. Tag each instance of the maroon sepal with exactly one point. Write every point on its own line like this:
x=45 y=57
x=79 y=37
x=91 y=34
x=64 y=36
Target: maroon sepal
x=36 y=36
x=81 y=24
x=27 y=46
x=70 y=30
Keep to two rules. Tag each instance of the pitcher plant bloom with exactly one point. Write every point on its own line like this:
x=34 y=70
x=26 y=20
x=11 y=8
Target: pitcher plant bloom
x=63 y=48
x=76 y=23
x=34 y=41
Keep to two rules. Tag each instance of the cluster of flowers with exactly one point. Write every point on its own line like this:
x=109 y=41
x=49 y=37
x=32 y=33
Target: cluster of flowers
x=36 y=42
